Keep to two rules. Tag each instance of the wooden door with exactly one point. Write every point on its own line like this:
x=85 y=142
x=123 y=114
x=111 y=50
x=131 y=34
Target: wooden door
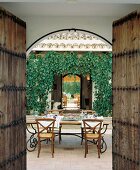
x=126 y=93
x=12 y=92
x=57 y=89
x=86 y=93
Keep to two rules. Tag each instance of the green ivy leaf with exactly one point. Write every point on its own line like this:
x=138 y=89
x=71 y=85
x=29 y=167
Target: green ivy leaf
x=42 y=68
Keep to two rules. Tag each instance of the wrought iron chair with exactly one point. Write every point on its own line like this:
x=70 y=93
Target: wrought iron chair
x=45 y=128
x=92 y=131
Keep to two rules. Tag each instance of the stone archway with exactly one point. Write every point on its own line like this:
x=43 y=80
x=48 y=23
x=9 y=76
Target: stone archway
x=71 y=40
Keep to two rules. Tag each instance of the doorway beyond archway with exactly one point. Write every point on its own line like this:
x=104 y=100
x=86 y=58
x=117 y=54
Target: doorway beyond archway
x=83 y=100
x=71 y=91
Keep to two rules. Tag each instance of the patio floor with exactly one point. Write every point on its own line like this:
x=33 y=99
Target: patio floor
x=69 y=155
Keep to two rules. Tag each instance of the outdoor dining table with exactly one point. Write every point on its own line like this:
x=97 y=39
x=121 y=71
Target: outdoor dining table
x=32 y=130
x=32 y=141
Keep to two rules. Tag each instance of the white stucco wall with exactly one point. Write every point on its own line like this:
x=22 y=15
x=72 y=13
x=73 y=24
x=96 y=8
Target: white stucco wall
x=40 y=26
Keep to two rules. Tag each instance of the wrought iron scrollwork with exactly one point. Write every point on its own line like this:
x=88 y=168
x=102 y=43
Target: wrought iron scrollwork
x=103 y=145
x=32 y=141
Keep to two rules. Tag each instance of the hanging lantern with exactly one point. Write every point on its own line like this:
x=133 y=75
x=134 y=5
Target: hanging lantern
x=88 y=77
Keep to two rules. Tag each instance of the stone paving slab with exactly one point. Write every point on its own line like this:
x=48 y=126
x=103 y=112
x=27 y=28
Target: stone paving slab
x=69 y=155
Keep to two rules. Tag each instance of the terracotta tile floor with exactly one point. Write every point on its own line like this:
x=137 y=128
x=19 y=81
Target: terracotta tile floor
x=69 y=155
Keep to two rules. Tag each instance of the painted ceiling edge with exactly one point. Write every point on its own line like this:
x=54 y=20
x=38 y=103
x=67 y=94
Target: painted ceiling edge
x=70 y=29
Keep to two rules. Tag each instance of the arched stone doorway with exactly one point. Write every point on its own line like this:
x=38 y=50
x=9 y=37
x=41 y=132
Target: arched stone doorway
x=85 y=100
x=71 y=40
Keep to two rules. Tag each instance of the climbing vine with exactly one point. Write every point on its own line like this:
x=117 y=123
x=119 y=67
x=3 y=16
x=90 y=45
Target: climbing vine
x=41 y=69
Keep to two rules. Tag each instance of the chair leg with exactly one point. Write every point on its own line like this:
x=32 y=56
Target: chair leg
x=82 y=135
x=52 y=147
x=59 y=134
x=39 y=148
x=86 y=148
x=99 y=147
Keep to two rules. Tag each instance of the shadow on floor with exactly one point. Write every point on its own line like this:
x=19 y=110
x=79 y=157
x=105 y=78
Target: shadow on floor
x=69 y=155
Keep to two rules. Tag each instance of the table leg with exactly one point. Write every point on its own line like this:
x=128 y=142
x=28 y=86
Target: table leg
x=32 y=141
x=103 y=145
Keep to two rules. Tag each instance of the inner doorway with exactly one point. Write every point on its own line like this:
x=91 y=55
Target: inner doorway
x=71 y=87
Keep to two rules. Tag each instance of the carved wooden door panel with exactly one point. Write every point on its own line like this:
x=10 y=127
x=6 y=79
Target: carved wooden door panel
x=12 y=92
x=126 y=92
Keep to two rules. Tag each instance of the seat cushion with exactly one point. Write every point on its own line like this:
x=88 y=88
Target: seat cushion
x=92 y=136
x=46 y=135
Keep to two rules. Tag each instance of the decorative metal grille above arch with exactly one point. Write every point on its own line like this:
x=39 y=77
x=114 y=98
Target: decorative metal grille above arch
x=71 y=40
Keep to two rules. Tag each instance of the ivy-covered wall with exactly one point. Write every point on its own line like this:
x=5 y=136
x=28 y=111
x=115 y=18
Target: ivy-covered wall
x=42 y=68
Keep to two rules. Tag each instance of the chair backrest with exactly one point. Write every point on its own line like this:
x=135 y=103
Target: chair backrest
x=92 y=125
x=45 y=125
